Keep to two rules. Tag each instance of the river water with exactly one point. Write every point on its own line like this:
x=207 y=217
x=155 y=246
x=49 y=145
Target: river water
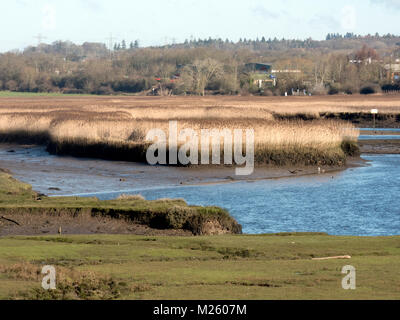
x=362 y=201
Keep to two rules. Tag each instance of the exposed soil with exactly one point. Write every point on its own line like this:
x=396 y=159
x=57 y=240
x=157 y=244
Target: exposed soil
x=380 y=146
x=28 y=224
x=59 y=176
x=366 y=120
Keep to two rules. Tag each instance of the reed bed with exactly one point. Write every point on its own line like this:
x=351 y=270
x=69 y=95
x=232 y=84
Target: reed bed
x=116 y=128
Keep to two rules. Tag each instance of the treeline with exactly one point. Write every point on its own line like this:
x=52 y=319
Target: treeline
x=351 y=35
x=199 y=67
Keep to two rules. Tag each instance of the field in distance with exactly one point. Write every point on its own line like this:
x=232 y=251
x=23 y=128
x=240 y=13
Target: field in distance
x=291 y=104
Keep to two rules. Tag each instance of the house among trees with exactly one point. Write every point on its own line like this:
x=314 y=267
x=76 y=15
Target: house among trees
x=393 y=72
x=261 y=74
x=365 y=55
x=260 y=68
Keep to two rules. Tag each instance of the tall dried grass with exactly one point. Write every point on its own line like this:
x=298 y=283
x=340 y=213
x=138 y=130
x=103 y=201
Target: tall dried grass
x=119 y=125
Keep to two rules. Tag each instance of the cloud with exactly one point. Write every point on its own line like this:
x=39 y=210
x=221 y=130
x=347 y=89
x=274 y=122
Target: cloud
x=325 y=21
x=91 y=4
x=21 y=3
x=264 y=13
x=394 y=4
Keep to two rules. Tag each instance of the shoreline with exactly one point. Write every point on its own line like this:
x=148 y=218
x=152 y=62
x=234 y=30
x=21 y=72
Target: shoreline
x=25 y=212
x=278 y=173
x=75 y=226
x=380 y=146
x=41 y=223
x=142 y=176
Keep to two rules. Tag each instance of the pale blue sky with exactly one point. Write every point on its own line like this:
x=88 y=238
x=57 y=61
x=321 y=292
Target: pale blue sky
x=158 y=21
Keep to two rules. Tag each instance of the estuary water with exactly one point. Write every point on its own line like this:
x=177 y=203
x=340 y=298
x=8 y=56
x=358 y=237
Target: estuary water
x=362 y=201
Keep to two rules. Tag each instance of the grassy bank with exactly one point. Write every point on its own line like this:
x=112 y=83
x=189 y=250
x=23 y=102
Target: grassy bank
x=116 y=128
x=225 y=267
x=19 y=203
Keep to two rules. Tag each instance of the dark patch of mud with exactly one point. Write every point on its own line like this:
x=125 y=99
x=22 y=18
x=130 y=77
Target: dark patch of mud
x=360 y=119
x=43 y=224
x=380 y=146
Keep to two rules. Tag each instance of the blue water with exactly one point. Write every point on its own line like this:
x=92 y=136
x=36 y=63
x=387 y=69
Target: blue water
x=381 y=129
x=362 y=201
x=379 y=137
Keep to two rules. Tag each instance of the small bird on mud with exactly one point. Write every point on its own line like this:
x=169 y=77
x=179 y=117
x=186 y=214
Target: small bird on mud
x=59 y=231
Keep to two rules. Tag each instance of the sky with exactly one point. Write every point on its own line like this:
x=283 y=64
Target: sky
x=157 y=22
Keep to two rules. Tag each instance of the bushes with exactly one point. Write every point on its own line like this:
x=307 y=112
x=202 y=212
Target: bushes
x=370 y=89
x=333 y=90
x=72 y=91
x=84 y=84
x=287 y=85
x=367 y=90
x=11 y=85
x=319 y=90
x=352 y=88
x=391 y=87
x=130 y=85
x=103 y=90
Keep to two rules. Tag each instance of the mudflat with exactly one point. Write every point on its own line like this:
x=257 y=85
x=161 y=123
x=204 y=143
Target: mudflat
x=380 y=146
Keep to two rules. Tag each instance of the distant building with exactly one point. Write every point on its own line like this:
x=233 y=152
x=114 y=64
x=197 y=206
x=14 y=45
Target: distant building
x=260 y=74
x=393 y=67
x=393 y=72
x=286 y=71
x=365 y=61
x=258 y=68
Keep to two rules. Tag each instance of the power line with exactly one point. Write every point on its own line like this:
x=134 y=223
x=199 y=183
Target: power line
x=110 y=44
x=40 y=39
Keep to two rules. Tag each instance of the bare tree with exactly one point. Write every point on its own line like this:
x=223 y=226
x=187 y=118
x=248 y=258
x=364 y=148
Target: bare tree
x=202 y=72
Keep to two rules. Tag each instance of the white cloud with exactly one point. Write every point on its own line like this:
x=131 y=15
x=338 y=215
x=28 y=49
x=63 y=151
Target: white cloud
x=264 y=13
x=91 y=4
x=394 y=4
x=325 y=21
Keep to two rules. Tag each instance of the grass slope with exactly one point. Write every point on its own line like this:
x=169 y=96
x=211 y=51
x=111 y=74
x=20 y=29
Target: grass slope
x=17 y=198
x=224 y=267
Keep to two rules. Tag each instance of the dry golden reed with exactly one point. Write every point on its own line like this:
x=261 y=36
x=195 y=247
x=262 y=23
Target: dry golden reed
x=126 y=121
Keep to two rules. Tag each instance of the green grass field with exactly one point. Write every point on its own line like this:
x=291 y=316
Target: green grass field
x=220 y=267
x=204 y=267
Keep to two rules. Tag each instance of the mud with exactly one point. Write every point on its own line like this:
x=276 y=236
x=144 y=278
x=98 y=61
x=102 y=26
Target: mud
x=28 y=224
